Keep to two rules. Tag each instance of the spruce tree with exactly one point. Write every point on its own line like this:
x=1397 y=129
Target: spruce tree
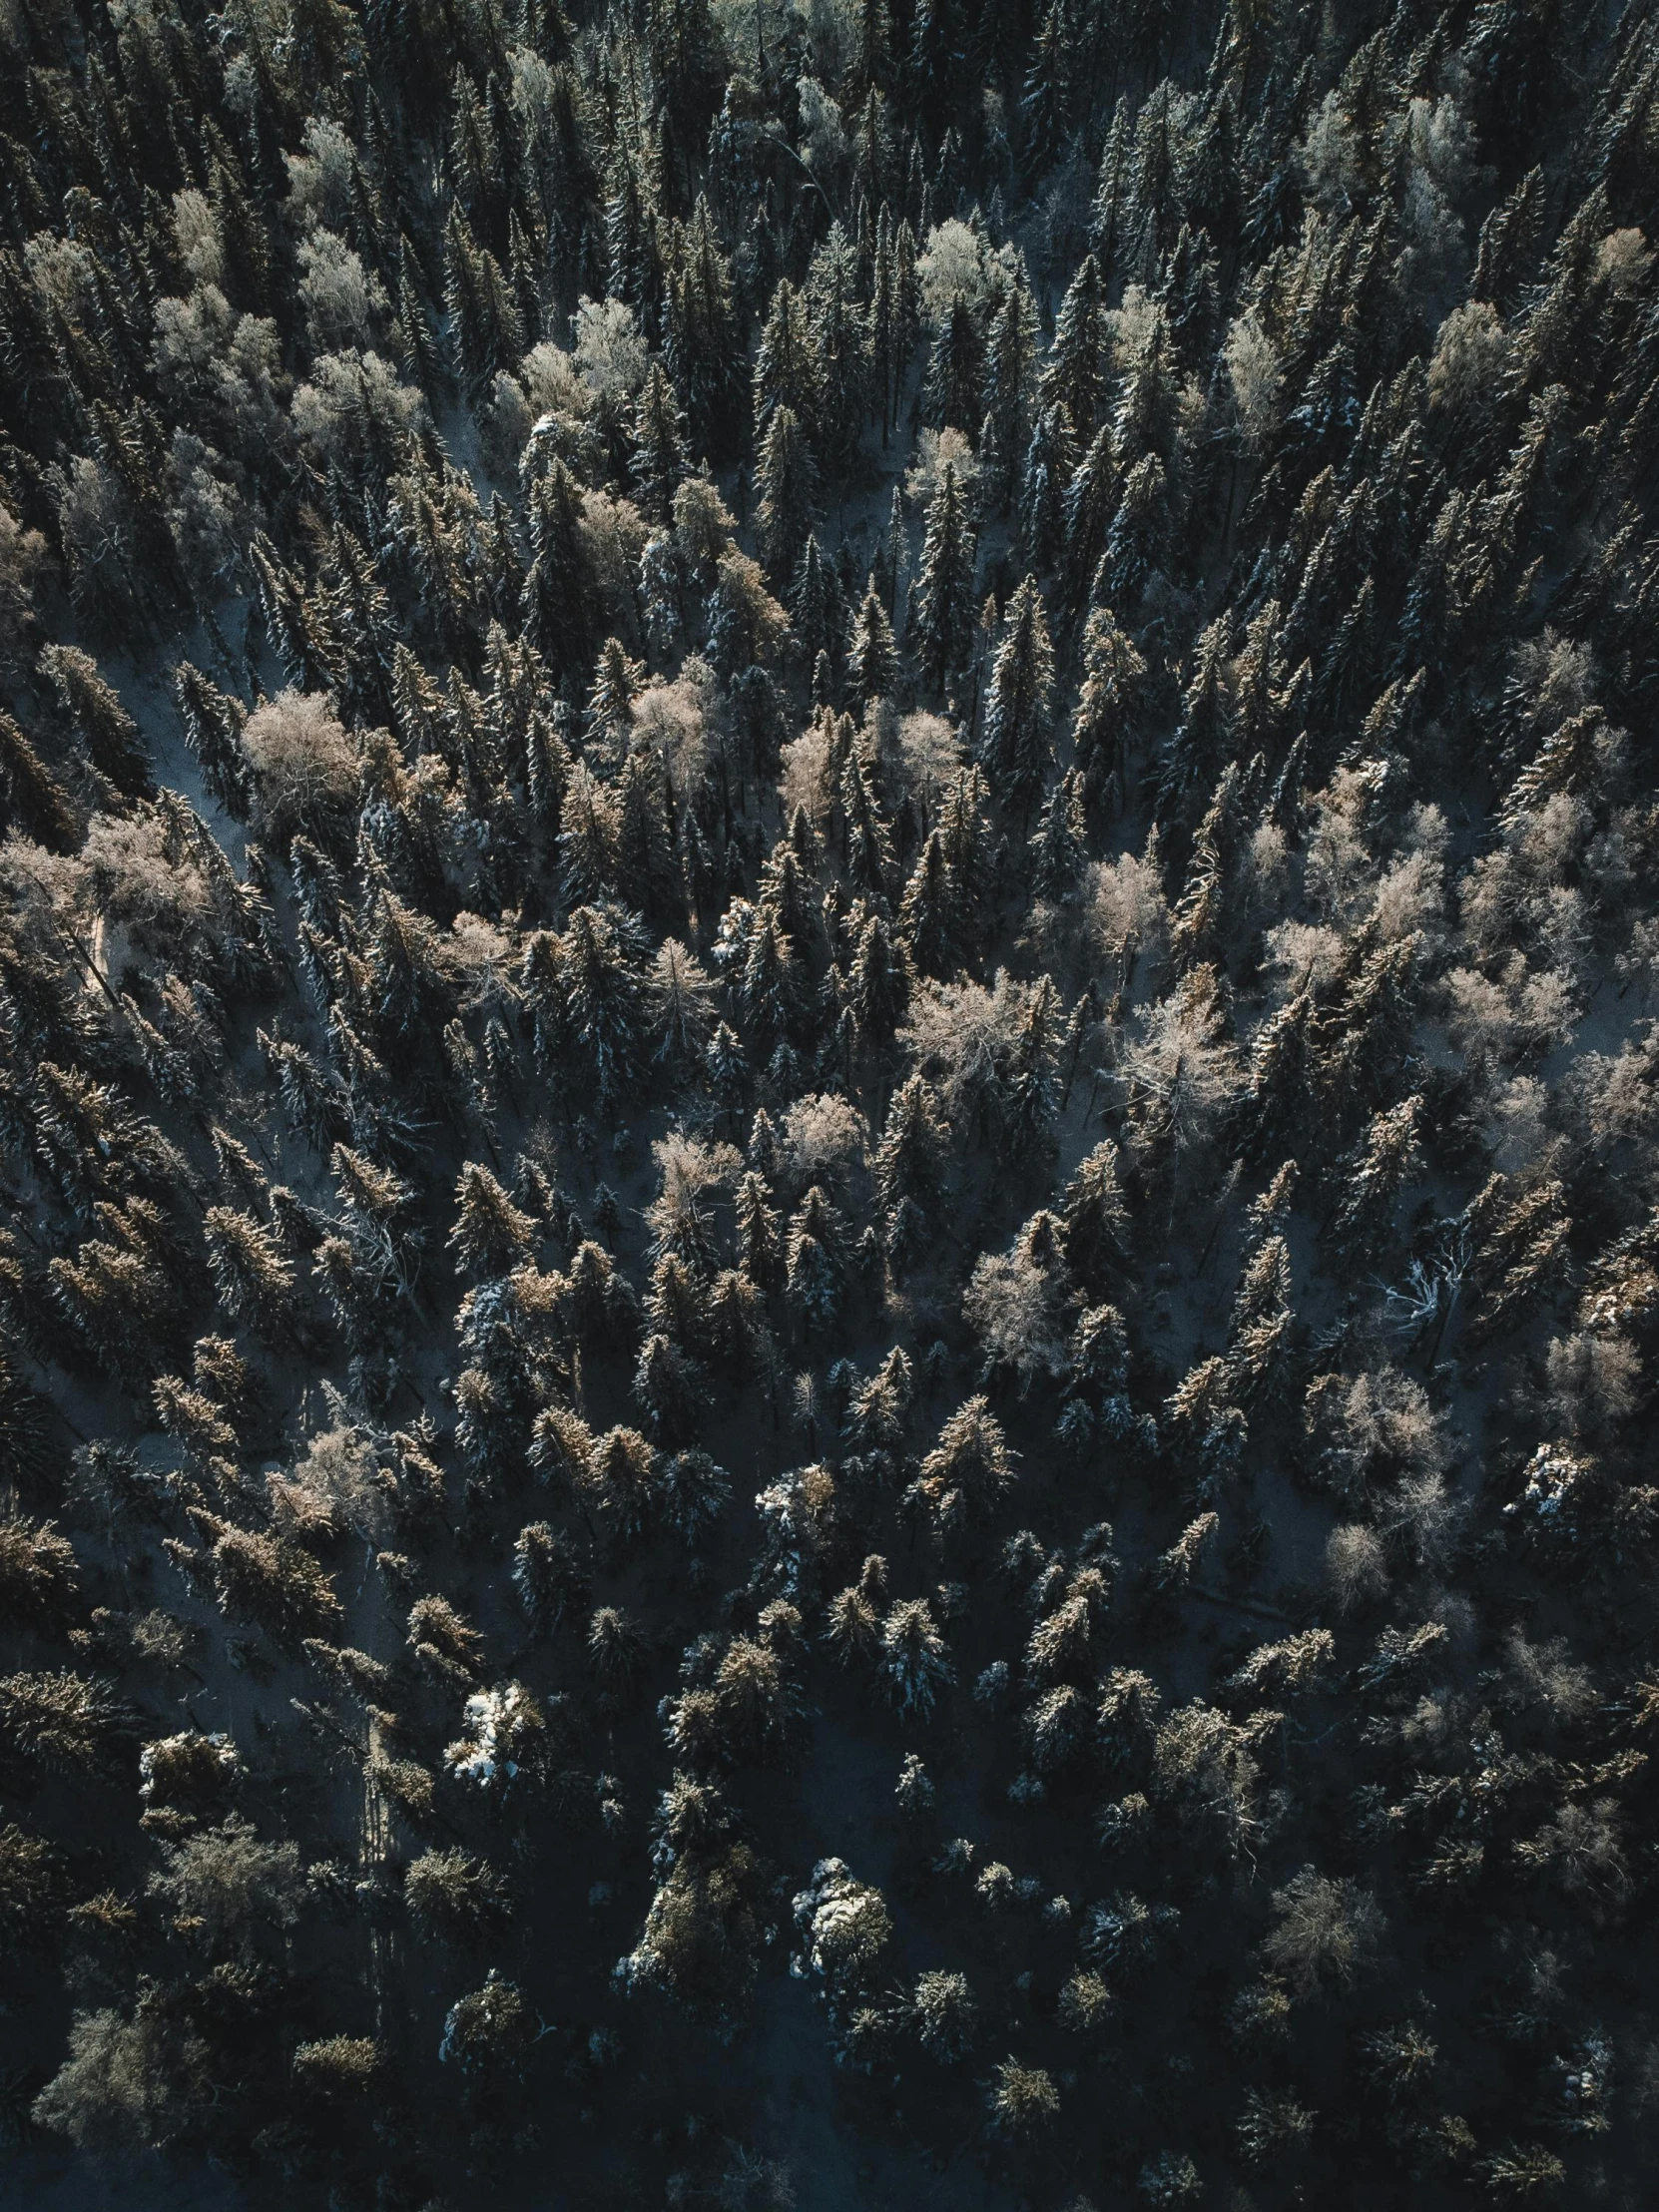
x=1010 y=382
x=870 y=656
x=785 y=481
x=1110 y=724
x=944 y=610
x=1060 y=843
x=659 y=461
x=1018 y=707
x=94 y=712
x=786 y=367
x=486 y=331
x=1075 y=375
x=556 y=589
x=956 y=371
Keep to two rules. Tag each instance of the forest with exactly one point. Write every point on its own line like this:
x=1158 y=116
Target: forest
x=829 y=1104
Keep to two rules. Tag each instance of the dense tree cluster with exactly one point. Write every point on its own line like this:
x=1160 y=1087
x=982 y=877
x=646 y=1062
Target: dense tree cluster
x=829 y=1113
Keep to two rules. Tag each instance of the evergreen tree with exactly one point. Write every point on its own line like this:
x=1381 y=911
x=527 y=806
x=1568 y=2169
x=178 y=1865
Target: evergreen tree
x=1075 y=376
x=1060 y=843
x=1111 y=720
x=556 y=589
x=956 y=371
x=840 y=338
x=786 y=479
x=1046 y=473
x=817 y=613
x=870 y=655
x=213 y=729
x=1010 y=374
x=786 y=366
x=486 y=331
x=94 y=712
x=659 y=461
x=1046 y=96
x=701 y=340
x=1137 y=543
x=604 y=1001
x=1019 y=704
x=927 y=917
x=944 y=602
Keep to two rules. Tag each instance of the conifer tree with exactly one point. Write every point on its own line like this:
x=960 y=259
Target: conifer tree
x=927 y=918
x=35 y=802
x=1075 y=375
x=1010 y=382
x=659 y=461
x=556 y=588
x=944 y=604
x=1060 y=843
x=1018 y=707
x=1044 y=476
x=485 y=330
x=786 y=369
x=840 y=338
x=700 y=342
x=817 y=613
x=785 y=480
x=957 y=370
x=212 y=726
x=870 y=655
x=1109 y=725
x=100 y=723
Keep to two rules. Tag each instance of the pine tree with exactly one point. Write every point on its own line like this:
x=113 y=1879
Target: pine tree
x=32 y=798
x=945 y=605
x=890 y=313
x=700 y=342
x=966 y=831
x=1048 y=471
x=659 y=461
x=1201 y=737
x=1111 y=720
x=1384 y=1163
x=815 y=1261
x=1016 y=743
x=871 y=658
x=878 y=986
x=212 y=723
x=1114 y=188
x=839 y=340
x=648 y=861
x=556 y=589
x=485 y=329
x=786 y=369
x=867 y=840
x=95 y=712
x=631 y=225
x=955 y=392
x=1060 y=845
x=1090 y=504
x=914 y=1155
x=1010 y=371
x=617 y=682
x=1138 y=541
x=604 y=1001
x=786 y=479
x=491 y=1235
x=817 y=613
x=254 y=1281
x=870 y=71
x=1075 y=376
x=1046 y=96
